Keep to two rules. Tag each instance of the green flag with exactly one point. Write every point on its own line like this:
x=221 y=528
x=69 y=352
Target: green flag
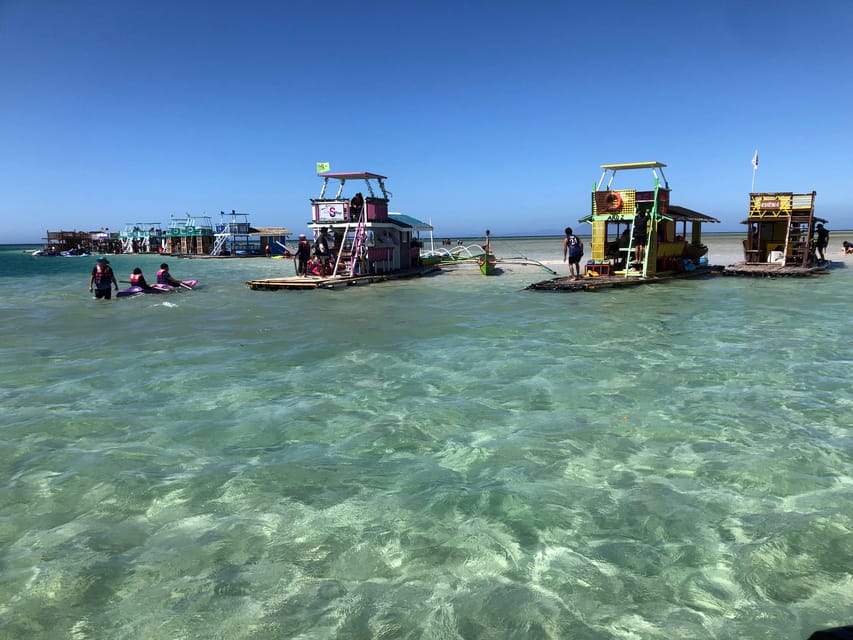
x=322 y=167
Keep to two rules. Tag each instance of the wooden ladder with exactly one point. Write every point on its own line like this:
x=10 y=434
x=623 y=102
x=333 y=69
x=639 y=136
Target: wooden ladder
x=798 y=242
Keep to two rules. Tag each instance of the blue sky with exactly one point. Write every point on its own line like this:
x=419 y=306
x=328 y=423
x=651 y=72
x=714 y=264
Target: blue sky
x=482 y=115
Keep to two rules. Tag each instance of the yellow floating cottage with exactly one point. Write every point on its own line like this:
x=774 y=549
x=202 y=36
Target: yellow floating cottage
x=638 y=236
x=779 y=238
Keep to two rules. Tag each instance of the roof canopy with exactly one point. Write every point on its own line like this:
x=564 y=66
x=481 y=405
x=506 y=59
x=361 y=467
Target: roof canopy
x=269 y=231
x=613 y=168
x=688 y=215
x=633 y=165
x=409 y=221
x=674 y=212
x=352 y=175
x=779 y=219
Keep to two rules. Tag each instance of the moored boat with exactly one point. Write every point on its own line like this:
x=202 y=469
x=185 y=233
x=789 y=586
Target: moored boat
x=487 y=261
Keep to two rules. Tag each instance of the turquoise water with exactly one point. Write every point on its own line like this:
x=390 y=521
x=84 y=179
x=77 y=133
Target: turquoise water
x=448 y=457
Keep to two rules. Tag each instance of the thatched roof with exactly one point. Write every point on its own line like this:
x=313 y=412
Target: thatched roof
x=269 y=231
x=683 y=213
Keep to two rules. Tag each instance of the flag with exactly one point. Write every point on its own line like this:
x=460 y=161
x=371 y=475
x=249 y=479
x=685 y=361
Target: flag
x=755 y=160
x=322 y=167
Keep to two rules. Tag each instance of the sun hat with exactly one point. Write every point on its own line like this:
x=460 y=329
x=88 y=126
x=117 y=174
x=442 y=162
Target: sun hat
x=103 y=259
x=301 y=236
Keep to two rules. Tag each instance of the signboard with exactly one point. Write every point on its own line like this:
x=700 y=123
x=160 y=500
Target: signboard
x=330 y=211
x=769 y=204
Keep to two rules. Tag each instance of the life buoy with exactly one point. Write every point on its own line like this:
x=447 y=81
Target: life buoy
x=613 y=201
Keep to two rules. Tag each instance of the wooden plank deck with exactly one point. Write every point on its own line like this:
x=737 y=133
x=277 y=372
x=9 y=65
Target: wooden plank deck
x=769 y=270
x=565 y=283
x=329 y=282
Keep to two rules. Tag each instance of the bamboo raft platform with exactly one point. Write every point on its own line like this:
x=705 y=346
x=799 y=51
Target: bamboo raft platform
x=766 y=270
x=566 y=283
x=331 y=282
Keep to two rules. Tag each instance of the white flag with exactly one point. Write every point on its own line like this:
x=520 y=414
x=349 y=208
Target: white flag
x=755 y=160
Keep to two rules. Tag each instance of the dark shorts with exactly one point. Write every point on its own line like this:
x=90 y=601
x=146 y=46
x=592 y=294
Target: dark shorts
x=107 y=294
x=575 y=260
x=640 y=240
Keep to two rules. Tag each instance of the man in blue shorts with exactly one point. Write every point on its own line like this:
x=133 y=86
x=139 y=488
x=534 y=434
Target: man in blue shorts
x=573 y=249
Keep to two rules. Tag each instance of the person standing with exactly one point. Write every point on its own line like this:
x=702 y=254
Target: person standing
x=822 y=241
x=102 y=279
x=355 y=207
x=323 y=250
x=640 y=235
x=573 y=251
x=303 y=254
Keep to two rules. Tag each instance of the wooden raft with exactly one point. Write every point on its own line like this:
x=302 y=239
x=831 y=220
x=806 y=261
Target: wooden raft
x=331 y=282
x=765 y=270
x=566 y=283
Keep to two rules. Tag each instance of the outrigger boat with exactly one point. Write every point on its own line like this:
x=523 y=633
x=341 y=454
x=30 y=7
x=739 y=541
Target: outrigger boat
x=369 y=244
x=487 y=261
x=670 y=246
x=460 y=254
x=780 y=227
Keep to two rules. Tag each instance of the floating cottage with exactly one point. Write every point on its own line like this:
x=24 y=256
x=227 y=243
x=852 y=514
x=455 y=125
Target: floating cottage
x=236 y=237
x=192 y=235
x=673 y=246
x=141 y=237
x=79 y=243
x=780 y=227
x=369 y=244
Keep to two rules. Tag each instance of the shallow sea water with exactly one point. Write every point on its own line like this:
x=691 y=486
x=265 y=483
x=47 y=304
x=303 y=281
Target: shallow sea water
x=447 y=457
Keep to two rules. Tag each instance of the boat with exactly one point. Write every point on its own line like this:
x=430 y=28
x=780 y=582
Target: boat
x=51 y=251
x=463 y=255
x=368 y=243
x=487 y=261
x=638 y=236
x=155 y=288
x=460 y=254
x=778 y=243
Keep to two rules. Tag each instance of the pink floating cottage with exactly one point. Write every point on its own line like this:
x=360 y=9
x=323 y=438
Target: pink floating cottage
x=368 y=243
x=367 y=238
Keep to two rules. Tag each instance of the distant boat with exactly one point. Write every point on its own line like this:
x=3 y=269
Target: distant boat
x=53 y=252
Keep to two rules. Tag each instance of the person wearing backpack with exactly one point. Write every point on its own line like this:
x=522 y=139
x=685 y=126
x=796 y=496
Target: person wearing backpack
x=573 y=251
